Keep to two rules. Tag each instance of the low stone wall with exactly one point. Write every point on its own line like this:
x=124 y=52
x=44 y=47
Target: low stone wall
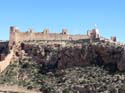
x=6 y=62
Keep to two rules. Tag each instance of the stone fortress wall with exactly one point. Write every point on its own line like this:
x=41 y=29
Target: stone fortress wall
x=16 y=35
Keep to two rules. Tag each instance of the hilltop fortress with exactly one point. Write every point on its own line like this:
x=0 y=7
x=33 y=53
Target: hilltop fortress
x=7 y=48
x=17 y=36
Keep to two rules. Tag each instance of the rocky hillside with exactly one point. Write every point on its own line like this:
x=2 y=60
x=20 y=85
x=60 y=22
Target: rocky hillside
x=54 y=55
x=67 y=67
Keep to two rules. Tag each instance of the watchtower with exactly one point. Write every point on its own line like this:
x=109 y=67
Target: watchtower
x=12 y=38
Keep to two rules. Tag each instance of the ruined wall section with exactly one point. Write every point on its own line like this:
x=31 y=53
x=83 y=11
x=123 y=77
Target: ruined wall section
x=6 y=62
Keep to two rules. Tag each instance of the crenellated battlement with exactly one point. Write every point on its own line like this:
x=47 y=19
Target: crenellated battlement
x=16 y=35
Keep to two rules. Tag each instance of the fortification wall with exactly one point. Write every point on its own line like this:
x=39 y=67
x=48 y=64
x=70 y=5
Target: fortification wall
x=16 y=35
x=6 y=62
x=21 y=36
x=78 y=37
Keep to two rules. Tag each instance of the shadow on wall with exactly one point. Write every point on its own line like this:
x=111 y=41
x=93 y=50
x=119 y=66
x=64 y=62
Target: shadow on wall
x=4 y=50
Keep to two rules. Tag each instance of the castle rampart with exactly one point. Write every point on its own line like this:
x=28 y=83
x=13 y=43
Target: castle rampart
x=16 y=35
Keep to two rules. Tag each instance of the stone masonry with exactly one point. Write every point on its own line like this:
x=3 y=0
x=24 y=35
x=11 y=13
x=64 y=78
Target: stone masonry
x=16 y=35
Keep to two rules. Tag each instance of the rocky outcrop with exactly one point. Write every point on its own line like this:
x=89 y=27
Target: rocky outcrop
x=111 y=56
x=108 y=55
x=121 y=63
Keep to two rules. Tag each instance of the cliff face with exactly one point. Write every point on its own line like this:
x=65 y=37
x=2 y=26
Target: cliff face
x=53 y=56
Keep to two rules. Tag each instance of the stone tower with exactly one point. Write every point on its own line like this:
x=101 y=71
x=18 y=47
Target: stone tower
x=12 y=38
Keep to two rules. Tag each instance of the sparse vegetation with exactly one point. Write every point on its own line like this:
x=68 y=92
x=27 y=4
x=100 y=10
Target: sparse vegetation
x=38 y=69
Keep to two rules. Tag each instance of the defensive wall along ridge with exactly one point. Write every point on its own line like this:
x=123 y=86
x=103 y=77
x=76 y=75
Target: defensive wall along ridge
x=17 y=36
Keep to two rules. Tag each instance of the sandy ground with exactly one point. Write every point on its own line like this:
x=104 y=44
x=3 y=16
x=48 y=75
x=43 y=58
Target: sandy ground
x=14 y=89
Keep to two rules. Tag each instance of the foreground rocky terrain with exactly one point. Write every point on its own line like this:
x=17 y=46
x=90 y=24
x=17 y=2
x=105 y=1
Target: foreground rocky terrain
x=69 y=67
x=88 y=79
